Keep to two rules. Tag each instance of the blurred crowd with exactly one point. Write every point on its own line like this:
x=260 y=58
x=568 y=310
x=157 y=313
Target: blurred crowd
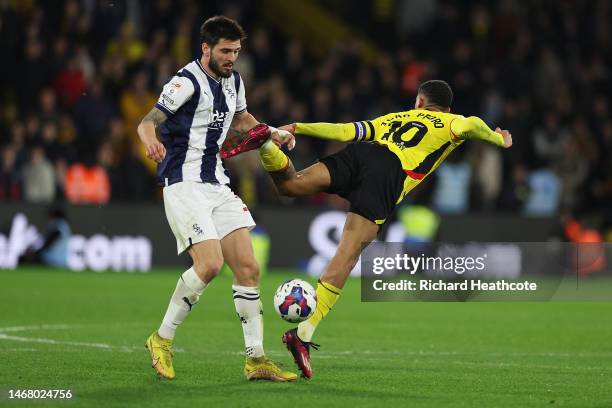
x=80 y=75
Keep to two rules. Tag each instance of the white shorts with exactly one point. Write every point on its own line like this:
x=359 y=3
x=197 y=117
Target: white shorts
x=201 y=211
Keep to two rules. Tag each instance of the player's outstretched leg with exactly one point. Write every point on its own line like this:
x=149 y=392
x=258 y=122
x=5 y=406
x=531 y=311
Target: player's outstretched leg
x=238 y=252
x=357 y=232
x=237 y=142
x=207 y=260
x=311 y=180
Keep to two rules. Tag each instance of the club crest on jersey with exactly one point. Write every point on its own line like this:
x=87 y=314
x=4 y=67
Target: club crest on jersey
x=217 y=118
x=230 y=92
x=197 y=229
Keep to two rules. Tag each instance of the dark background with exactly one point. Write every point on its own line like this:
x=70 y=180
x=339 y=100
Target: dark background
x=78 y=76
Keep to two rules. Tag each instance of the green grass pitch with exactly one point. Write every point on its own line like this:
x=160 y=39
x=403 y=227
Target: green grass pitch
x=86 y=331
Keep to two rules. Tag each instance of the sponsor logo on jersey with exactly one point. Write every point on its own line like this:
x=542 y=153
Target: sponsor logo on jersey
x=217 y=118
x=166 y=100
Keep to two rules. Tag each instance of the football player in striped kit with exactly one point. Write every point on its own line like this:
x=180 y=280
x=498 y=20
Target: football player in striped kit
x=184 y=134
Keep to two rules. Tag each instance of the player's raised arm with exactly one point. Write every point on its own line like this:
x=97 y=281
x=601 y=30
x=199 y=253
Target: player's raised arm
x=475 y=128
x=342 y=132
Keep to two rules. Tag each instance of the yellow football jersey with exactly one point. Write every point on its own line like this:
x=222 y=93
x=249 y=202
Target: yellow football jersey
x=422 y=139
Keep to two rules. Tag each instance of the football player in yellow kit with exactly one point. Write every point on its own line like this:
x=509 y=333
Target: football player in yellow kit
x=391 y=155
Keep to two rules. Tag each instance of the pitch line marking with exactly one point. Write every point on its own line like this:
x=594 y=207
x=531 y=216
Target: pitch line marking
x=328 y=354
x=68 y=343
x=543 y=366
x=395 y=354
x=11 y=329
x=103 y=346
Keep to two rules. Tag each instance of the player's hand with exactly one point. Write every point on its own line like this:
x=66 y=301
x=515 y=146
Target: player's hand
x=289 y=128
x=506 y=135
x=282 y=136
x=156 y=151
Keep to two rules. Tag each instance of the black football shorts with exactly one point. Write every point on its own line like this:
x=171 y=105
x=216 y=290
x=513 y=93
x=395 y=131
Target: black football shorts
x=369 y=176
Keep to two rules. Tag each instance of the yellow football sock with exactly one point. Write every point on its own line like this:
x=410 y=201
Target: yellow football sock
x=272 y=158
x=327 y=294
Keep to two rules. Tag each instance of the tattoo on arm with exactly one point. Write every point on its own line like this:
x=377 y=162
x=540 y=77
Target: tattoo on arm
x=156 y=116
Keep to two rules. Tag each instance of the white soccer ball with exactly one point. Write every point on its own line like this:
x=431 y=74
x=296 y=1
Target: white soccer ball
x=295 y=300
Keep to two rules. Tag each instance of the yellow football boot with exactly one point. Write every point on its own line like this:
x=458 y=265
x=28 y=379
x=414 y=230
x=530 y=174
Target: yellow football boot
x=161 y=355
x=262 y=368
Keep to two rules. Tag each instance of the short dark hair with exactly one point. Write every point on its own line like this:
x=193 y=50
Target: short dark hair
x=437 y=92
x=218 y=27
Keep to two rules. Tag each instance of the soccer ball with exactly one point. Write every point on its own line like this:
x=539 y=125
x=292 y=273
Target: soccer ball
x=295 y=300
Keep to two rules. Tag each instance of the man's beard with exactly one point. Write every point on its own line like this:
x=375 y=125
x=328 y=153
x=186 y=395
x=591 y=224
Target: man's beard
x=214 y=67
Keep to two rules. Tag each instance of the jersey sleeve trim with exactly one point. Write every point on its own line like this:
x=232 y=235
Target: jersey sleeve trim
x=360 y=131
x=371 y=136
x=162 y=108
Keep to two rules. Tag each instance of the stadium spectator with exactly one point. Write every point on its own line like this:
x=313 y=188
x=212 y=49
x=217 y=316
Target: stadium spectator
x=69 y=84
x=48 y=111
x=135 y=103
x=10 y=178
x=87 y=184
x=544 y=193
x=127 y=45
x=53 y=246
x=451 y=194
x=92 y=114
x=38 y=177
x=17 y=142
x=549 y=140
x=487 y=166
x=37 y=72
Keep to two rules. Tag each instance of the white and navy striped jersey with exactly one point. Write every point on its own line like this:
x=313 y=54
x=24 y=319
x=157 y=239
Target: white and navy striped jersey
x=200 y=110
